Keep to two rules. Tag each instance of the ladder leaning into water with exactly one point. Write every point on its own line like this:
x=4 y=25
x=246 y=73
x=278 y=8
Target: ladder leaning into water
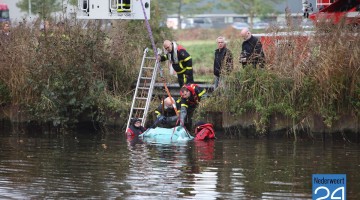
x=144 y=88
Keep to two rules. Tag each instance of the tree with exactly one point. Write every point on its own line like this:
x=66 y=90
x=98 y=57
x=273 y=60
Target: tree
x=73 y=2
x=184 y=7
x=250 y=7
x=43 y=8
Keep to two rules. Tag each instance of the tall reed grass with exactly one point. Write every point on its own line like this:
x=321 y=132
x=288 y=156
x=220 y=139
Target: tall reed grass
x=72 y=72
x=316 y=76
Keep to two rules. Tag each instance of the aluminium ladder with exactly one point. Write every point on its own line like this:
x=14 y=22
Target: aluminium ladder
x=144 y=88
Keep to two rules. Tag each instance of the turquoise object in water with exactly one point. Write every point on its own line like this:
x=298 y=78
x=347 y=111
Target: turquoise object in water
x=166 y=135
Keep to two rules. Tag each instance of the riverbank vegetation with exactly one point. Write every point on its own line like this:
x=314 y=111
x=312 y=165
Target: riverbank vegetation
x=75 y=73
x=304 y=77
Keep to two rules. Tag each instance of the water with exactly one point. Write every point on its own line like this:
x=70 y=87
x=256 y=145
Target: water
x=107 y=166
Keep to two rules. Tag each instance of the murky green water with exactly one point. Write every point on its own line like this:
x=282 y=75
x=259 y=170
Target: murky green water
x=107 y=166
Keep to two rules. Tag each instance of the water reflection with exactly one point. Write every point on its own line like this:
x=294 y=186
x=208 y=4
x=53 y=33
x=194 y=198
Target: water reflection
x=97 y=166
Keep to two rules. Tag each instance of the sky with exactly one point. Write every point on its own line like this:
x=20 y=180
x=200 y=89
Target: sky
x=294 y=5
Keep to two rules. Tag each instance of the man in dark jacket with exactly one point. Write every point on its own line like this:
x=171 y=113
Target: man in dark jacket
x=252 y=52
x=181 y=61
x=223 y=61
x=5 y=31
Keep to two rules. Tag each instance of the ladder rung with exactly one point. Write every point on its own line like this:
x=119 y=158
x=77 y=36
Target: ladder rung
x=152 y=58
x=148 y=68
x=138 y=108
x=142 y=98
x=143 y=88
x=147 y=78
x=137 y=118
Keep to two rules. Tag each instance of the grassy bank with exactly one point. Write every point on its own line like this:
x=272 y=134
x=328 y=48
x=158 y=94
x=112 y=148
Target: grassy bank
x=202 y=53
x=318 y=75
x=65 y=76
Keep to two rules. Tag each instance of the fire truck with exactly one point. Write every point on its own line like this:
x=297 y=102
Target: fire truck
x=334 y=11
x=4 y=13
x=113 y=9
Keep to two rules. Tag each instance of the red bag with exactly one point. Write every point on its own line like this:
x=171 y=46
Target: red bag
x=204 y=131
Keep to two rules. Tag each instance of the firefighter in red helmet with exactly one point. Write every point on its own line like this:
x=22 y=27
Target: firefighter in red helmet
x=190 y=97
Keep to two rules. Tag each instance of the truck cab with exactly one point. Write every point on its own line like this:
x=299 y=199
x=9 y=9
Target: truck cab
x=335 y=11
x=4 y=13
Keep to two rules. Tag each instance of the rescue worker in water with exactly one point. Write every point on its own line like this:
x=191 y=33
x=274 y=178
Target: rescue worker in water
x=190 y=97
x=181 y=61
x=135 y=128
x=166 y=113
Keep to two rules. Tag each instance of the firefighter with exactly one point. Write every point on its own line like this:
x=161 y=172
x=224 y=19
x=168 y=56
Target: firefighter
x=166 y=113
x=190 y=97
x=123 y=5
x=181 y=61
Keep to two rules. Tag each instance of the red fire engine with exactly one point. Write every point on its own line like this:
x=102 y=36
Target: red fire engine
x=329 y=10
x=321 y=4
x=336 y=10
x=4 y=13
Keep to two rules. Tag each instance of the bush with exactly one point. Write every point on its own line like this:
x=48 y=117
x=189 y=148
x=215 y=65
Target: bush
x=71 y=73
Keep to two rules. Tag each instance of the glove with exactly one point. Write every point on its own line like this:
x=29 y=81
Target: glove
x=171 y=119
x=183 y=113
x=161 y=119
x=164 y=120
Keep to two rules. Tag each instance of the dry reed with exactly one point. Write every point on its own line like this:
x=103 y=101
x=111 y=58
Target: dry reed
x=316 y=74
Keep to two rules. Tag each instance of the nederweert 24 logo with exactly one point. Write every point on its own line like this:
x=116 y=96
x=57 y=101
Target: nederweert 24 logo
x=329 y=186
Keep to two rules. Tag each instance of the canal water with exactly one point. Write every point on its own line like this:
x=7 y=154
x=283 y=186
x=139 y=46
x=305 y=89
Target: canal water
x=108 y=166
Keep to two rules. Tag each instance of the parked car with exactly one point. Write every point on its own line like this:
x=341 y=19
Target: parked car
x=261 y=25
x=240 y=25
x=197 y=23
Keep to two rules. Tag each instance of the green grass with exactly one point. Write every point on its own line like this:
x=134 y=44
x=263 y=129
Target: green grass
x=201 y=51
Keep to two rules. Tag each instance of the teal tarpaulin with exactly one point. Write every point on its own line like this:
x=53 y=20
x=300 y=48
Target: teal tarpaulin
x=166 y=135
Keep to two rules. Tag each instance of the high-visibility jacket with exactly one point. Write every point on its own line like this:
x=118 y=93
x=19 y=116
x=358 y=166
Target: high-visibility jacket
x=167 y=112
x=195 y=95
x=179 y=58
x=123 y=5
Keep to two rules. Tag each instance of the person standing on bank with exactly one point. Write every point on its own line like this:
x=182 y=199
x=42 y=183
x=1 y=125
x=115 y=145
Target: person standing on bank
x=252 y=52
x=5 y=32
x=223 y=61
x=181 y=61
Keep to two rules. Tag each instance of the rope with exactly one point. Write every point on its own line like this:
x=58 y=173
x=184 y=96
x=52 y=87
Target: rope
x=155 y=55
x=149 y=29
